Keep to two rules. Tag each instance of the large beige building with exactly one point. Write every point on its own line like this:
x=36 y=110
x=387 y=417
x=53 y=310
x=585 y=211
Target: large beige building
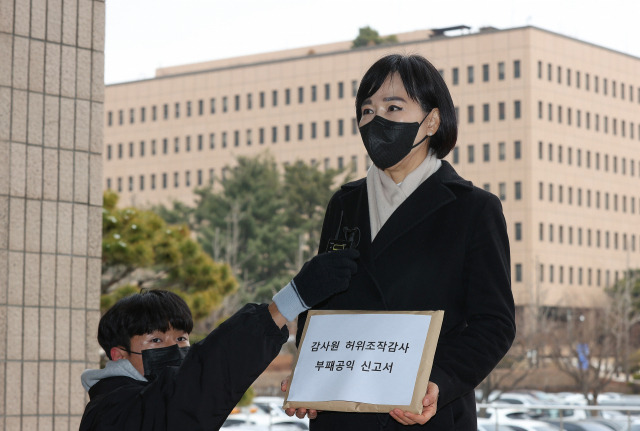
x=548 y=123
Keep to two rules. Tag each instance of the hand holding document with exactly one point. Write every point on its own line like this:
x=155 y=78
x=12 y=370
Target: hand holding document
x=364 y=361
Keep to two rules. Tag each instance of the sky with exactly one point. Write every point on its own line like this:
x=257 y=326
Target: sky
x=142 y=35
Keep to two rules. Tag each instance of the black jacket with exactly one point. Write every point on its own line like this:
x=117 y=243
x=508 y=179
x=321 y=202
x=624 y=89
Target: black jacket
x=198 y=395
x=444 y=248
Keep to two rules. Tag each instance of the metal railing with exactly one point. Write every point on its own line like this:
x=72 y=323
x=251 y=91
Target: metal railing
x=560 y=408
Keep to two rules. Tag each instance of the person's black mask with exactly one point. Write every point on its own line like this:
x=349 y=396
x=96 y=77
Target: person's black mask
x=155 y=361
x=388 y=142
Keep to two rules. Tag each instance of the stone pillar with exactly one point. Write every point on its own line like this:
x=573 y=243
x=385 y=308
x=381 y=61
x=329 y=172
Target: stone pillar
x=51 y=120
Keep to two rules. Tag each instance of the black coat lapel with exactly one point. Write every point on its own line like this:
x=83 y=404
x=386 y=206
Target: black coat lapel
x=430 y=196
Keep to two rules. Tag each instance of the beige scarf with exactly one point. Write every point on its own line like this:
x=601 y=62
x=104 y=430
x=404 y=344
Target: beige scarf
x=385 y=195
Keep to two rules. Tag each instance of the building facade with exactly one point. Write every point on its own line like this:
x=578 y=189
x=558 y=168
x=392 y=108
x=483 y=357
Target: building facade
x=548 y=123
x=51 y=119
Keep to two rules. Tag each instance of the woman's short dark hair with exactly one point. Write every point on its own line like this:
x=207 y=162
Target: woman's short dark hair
x=424 y=84
x=142 y=313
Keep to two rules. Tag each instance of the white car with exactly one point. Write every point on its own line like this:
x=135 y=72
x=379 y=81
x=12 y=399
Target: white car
x=267 y=411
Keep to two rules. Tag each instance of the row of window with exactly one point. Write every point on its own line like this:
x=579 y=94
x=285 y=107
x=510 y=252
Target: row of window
x=486 y=112
x=605 y=200
x=186 y=179
x=502 y=190
x=587 y=120
x=202 y=106
x=198 y=144
x=572 y=275
x=485 y=72
x=574 y=78
x=287 y=133
x=486 y=152
x=599 y=239
x=561 y=154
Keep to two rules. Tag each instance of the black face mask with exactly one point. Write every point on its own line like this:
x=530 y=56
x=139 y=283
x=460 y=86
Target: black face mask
x=387 y=142
x=155 y=361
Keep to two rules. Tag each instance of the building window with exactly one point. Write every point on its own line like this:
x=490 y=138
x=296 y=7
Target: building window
x=327 y=129
x=470 y=113
x=502 y=152
x=327 y=91
x=153 y=181
x=300 y=131
x=456 y=155
x=540 y=191
x=176 y=145
x=176 y=179
x=109 y=152
x=516 y=109
x=200 y=107
x=274 y=98
x=199 y=177
x=501 y=71
x=287 y=133
x=224 y=139
x=341 y=90
x=187 y=178
x=502 y=191
x=261 y=135
x=132 y=116
x=177 y=110
x=539 y=70
x=485 y=73
x=274 y=135
x=109 y=118
x=212 y=105
x=454 y=76
x=518 y=190
x=300 y=94
x=517 y=150
x=501 y=111
x=354 y=88
x=314 y=93
x=486 y=187
x=236 y=138
x=164 y=180
x=354 y=126
x=143 y=114
x=154 y=113
x=313 y=130
x=212 y=141
x=236 y=102
x=470 y=77
x=518 y=271
x=130 y=149
x=516 y=69
x=249 y=139
x=189 y=109
x=518 y=231
x=165 y=111
x=142 y=148
x=485 y=152
x=287 y=96
x=200 y=142
x=485 y=112
x=340 y=163
x=470 y=155
x=340 y=127
x=187 y=144
x=165 y=146
x=153 y=147
x=540 y=109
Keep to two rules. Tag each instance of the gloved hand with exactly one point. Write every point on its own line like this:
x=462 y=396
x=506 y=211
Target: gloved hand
x=325 y=275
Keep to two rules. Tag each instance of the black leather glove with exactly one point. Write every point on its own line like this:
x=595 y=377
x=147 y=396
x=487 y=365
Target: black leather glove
x=325 y=275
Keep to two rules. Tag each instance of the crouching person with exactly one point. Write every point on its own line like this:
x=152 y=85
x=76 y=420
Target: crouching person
x=156 y=381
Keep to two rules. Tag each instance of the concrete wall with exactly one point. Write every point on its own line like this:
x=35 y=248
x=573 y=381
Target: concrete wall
x=51 y=123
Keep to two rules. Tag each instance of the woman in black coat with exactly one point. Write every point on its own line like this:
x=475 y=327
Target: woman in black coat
x=428 y=240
